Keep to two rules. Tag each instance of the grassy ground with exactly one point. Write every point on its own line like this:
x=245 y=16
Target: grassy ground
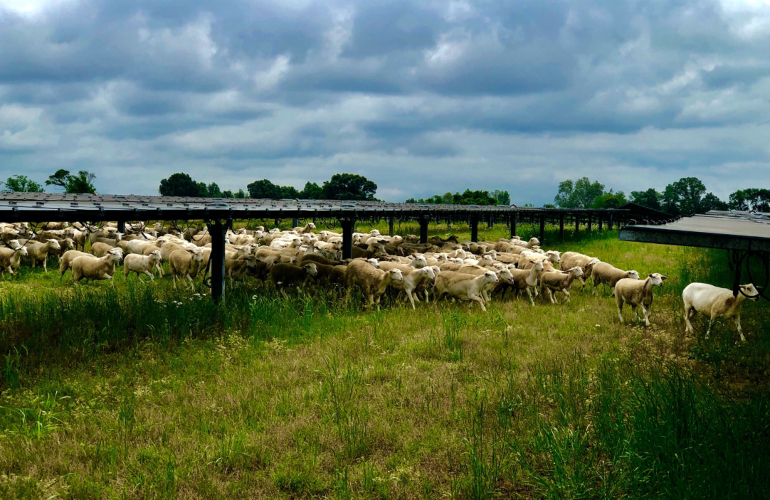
x=144 y=392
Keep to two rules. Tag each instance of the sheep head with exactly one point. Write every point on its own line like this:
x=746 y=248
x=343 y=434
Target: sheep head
x=54 y=244
x=750 y=291
x=311 y=269
x=633 y=274
x=374 y=262
x=491 y=277
x=656 y=279
x=396 y=275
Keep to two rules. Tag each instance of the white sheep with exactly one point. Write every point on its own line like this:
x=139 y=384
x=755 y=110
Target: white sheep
x=141 y=264
x=372 y=281
x=38 y=251
x=608 y=274
x=10 y=258
x=559 y=281
x=637 y=293
x=462 y=286
x=185 y=263
x=93 y=269
x=413 y=277
x=715 y=302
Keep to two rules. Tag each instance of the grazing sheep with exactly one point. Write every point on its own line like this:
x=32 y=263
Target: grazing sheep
x=462 y=286
x=100 y=249
x=93 y=269
x=637 y=293
x=306 y=228
x=716 y=302
x=372 y=281
x=185 y=263
x=10 y=258
x=38 y=251
x=608 y=274
x=413 y=277
x=109 y=237
x=572 y=259
x=65 y=262
x=285 y=275
x=64 y=245
x=559 y=281
x=141 y=264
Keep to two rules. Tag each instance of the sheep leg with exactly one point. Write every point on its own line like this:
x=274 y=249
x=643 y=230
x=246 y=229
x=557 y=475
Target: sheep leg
x=550 y=296
x=192 y=283
x=566 y=292
x=708 y=331
x=481 y=303
x=582 y=283
x=174 y=276
x=531 y=300
x=689 y=311
x=148 y=273
x=411 y=299
x=620 y=310
x=738 y=327
x=45 y=264
x=646 y=313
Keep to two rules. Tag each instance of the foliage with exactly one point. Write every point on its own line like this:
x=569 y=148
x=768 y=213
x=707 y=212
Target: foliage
x=311 y=191
x=348 y=187
x=468 y=197
x=181 y=184
x=503 y=197
x=683 y=197
x=263 y=188
x=579 y=194
x=750 y=199
x=21 y=184
x=712 y=202
x=610 y=200
x=80 y=183
x=650 y=198
x=213 y=191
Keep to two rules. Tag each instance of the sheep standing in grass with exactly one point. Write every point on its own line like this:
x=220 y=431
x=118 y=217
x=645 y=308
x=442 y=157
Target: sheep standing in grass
x=637 y=293
x=608 y=274
x=715 y=302
x=413 y=277
x=93 y=269
x=526 y=279
x=185 y=263
x=464 y=287
x=372 y=282
x=38 y=251
x=285 y=275
x=141 y=264
x=10 y=258
x=572 y=259
x=64 y=245
x=559 y=281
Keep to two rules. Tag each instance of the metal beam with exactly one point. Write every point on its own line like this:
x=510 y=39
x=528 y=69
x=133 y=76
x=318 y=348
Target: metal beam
x=490 y=221
x=391 y=229
x=512 y=224
x=424 y=230
x=589 y=222
x=561 y=227
x=474 y=229
x=218 y=229
x=542 y=228
x=347 y=237
x=577 y=225
x=122 y=226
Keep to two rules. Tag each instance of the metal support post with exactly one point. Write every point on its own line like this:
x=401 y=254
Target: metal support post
x=424 y=230
x=491 y=221
x=542 y=228
x=347 y=237
x=122 y=227
x=295 y=222
x=610 y=222
x=474 y=228
x=589 y=223
x=561 y=226
x=218 y=230
x=601 y=221
x=577 y=225
x=391 y=230
x=514 y=215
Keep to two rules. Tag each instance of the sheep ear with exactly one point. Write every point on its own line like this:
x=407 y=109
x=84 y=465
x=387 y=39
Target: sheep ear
x=663 y=277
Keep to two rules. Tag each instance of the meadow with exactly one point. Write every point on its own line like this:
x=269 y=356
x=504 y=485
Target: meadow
x=143 y=391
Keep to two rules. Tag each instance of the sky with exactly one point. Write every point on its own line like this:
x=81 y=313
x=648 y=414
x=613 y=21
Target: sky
x=422 y=97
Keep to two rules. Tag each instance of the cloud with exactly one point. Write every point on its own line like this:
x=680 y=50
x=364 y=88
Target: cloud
x=421 y=97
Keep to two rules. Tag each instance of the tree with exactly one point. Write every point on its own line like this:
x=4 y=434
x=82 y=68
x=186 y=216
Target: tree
x=683 y=197
x=213 y=191
x=579 y=194
x=227 y=194
x=711 y=202
x=264 y=189
x=21 y=184
x=181 y=184
x=503 y=197
x=348 y=187
x=80 y=183
x=311 y=191
x=610 y=200
x=410 y=200
x=447 y=198
x=241 y=194
x=289 y=192
x=650 y=198
x=750 y=199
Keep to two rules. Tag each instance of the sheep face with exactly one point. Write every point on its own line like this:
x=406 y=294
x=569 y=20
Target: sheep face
x=553 y=256
x=374 y=262
x=428 y=272
x=311 y=269
x=15 y=244
x=54 y=244
x=633 y=274
x=396 y=275
x=310 y=225
x=155 y=256
x=656 y=279
x=750 y=291
x=577 y=271
x=491 y=277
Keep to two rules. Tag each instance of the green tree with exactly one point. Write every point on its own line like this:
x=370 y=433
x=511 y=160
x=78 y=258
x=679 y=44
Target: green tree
x=241 y=194
x=311 y=191
x=503 y=197
x=711 y=202
x=684 y=196
x=447 y=198
x=289 y=192
x=650 y=198
x=610 y=200
x=80 y=183
x=21 y=184
x=349 y=187
x=227 y=194
x=264 y=189
x=750 y=199
x=578 y=194
x=410 y=200
x=181 y=184
x=213 y=191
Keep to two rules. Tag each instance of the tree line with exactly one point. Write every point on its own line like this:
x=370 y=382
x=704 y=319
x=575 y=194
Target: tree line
x=687 y=196
x=82 y=182
x=468 y=197
x=339 y=187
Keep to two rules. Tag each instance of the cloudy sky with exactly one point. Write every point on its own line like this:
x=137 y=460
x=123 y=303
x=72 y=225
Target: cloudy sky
x=422 y=97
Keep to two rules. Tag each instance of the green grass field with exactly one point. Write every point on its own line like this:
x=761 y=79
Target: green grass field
x=141 y=391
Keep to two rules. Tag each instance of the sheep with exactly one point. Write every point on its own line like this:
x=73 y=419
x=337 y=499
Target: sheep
x=66 y=260
x=716 y=302
x=185 y=263
x=64 y=245
x=637 y=293
x=329 y=275
x=10 y=258
x=572 y=259
x=284 y=275
x=462 y=287
x=306 y=229
x=93 y=269
x=413 y=277
x=111 y=238
x=100 y=249
x=372 y=281
x=39 y=251
x=608 y=274
x=559 y=281
x=526 y=279
x=141 y=264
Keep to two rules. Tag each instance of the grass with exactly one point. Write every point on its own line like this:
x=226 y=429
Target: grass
x=143 y=392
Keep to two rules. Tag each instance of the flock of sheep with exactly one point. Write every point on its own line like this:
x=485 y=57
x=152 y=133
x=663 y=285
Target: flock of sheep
x=444 y=268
